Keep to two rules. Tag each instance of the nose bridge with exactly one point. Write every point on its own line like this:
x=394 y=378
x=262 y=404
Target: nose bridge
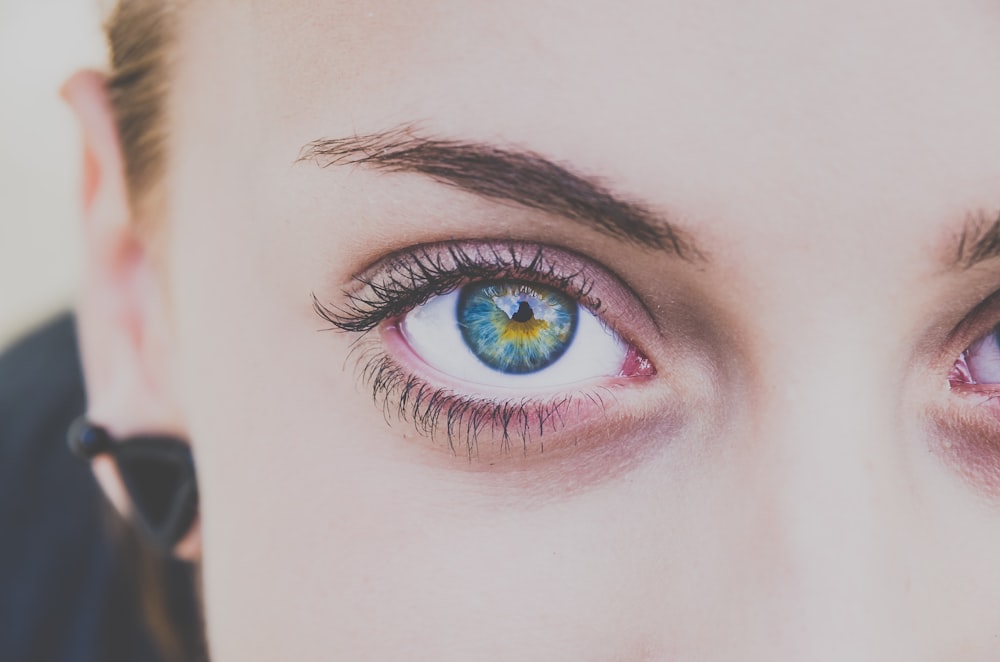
x=827 y=476
x=826 y=421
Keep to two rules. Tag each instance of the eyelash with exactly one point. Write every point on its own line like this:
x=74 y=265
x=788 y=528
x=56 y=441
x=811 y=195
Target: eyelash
x=462 y=419
x=410 y=279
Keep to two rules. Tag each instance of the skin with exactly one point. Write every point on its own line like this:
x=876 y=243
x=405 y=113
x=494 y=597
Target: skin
x=798 y=481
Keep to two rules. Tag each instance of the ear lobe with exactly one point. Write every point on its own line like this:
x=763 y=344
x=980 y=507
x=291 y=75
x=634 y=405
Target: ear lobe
x=125 y=344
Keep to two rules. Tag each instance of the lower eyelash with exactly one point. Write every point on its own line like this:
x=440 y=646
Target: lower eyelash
x=462 y=420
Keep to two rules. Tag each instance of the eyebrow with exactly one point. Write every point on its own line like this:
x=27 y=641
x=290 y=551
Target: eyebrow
x=978 y=242
x=516 y=176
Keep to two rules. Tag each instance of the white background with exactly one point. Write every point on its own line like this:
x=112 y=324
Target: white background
x=41 y=43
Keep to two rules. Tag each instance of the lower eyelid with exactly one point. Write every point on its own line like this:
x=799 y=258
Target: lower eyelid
x=489 y=427
x=967 y=436
x=964 y=389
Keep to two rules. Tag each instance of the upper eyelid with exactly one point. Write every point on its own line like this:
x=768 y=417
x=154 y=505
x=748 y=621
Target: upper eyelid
x=518 y=253
x=971 y=326
x=968 y=308
x=398 y=274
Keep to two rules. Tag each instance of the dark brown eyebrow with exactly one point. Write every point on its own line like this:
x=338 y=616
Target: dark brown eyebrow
x=521 y=177
x=978 y=242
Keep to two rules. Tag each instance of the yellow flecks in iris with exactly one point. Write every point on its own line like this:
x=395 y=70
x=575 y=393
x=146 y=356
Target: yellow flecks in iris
x=523 y=332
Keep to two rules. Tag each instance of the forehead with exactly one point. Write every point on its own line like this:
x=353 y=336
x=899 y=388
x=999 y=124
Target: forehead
x=764 y=116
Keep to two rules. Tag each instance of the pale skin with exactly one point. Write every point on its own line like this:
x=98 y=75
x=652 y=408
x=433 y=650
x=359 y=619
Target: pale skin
x=790 y=485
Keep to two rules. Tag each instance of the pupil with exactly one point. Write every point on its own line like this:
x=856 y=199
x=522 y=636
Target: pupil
x=516 y=328
x=523 y=314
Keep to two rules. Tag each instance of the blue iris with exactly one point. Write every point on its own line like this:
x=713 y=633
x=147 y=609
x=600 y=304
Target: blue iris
x=516 y=328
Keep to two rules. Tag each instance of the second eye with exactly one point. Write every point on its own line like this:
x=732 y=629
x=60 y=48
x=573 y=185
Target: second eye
x=980 y=363
x=513 y=334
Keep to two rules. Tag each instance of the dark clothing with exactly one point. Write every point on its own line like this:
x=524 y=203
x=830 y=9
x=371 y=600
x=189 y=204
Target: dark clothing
x=65 y=593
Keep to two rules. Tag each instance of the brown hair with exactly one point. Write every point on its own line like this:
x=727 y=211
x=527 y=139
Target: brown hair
x=140 y=34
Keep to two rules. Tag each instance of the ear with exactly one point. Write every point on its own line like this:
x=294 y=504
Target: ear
x=122 y=317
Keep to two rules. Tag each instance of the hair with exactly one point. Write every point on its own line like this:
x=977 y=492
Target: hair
x=140 y=35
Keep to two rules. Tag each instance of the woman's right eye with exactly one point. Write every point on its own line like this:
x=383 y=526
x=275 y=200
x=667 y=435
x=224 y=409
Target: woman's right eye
x=980 y=363
x=501 y=343
x=512 y=334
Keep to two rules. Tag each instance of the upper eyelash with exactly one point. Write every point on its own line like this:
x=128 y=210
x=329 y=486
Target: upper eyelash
x=412 y=279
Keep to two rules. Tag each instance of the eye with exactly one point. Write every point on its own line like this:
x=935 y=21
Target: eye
x=495 y=346
x=980 y=363
x=515 y=334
